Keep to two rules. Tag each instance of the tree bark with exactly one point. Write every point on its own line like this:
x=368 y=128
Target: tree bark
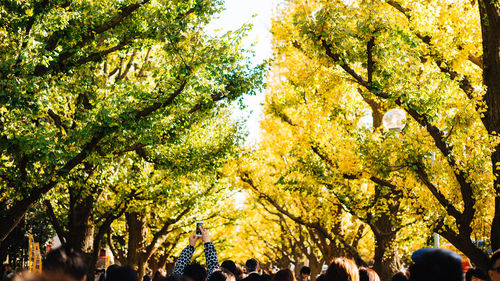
x=490 y=27
x=386 y=263
x=137 y=232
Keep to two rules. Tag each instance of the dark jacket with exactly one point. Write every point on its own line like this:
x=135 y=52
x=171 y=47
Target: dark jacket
x=253 y=277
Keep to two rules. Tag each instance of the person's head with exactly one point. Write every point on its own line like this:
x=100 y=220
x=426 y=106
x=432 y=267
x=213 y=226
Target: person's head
x=284 y=275
x=400 y=276
x=368 y=274
x=494 y=270
x=437 y=265
x=305 y=271
x=222 y=274
x=342 y=269
x=229 y=265
x=173 y=277
x=121 y=273
x=64 y=263
x=195 y=272
x=252 y=265
x=475 y=274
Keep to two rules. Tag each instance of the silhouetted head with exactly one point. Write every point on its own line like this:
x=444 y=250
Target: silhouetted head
x=475 y=274
x=63 y=262
x=400 y=276
x=368 y=274
x=222 y=274
x=229 y=265
x=284 y=275
x=437 y=265
x=494 y=270
x=195 y=272
x=342 y=269
x=121 y=273
x=252 y=265
x=305 y=271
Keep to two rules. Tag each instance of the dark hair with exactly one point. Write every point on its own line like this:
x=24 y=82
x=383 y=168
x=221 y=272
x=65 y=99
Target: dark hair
x=342 y=269
x=475 y=272
x=222 y=274
x=65 y=261
x=437 y=265
x=173 y=277
x=284 y=275
x=368 y=274
x=195 y=272
x=229 y=265
x=400 y=276
x=121 y=273
x=494 y=258
x=305 y=270
x=251 y=265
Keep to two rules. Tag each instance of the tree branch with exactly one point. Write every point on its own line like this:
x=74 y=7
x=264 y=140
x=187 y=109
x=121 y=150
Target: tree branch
x=55 y=222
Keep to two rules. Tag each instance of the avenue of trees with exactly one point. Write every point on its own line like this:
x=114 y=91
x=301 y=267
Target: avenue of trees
x=335 y=170
x=116 y=130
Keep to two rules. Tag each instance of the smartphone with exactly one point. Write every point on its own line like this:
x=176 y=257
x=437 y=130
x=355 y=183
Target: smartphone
x=199 y=225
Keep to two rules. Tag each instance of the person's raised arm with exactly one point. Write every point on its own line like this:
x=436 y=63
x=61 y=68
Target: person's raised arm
x=186 y=255
x=210 y=253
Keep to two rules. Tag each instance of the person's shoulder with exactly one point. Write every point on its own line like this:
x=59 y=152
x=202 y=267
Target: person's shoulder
x=265 y=277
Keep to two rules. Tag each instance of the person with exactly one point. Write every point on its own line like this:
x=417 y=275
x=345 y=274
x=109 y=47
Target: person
x=368 y=274
x=342 y=269
x=475 y=274
x=147 y=276
x=229 y=265
x=494 y=270
x=400 y=276
x=8 y=274
x=437 y=265
x=304 y=274
x=252 y=267
x=196 y=271
x=222 y=274
x=62 y=263
x=284 y=275
x=239 y=272
x=121 y=273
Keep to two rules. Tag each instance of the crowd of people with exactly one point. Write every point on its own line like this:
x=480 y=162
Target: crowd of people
x=429 y=264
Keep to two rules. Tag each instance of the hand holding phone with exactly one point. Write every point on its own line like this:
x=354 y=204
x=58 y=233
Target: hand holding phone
x=199 y=227
x=204 y=235
x=193 y=238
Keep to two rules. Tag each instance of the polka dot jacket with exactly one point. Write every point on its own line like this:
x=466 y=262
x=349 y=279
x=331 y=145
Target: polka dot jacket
x=187 y=253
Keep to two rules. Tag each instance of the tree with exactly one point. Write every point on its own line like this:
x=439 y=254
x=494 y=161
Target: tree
x=398 y=54
x=83 y=82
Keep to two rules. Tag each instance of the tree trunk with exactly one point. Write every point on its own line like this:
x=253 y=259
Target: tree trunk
x=386 y=263
x=136 y=242
x=490 y=27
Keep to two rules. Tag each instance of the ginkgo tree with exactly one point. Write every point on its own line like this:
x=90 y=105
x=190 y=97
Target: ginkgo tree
x=84 y=82
x=427 y=58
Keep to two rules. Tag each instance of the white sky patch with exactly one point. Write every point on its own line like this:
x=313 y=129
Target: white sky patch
x=259 y=14
x=240 y=198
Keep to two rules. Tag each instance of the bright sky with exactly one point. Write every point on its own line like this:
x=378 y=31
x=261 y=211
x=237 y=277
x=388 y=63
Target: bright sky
x=258 y=13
